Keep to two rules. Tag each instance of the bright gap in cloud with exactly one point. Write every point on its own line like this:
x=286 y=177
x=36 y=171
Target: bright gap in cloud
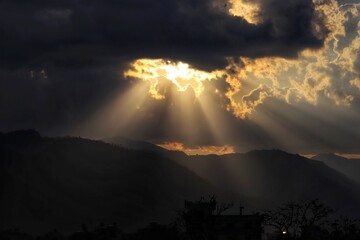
x=201 y=150
x=329 y=73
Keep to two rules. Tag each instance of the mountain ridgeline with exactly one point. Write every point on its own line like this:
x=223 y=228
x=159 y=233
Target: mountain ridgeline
x=61 y=183
x=269 y=177
x=349 y=167
x=48 y=183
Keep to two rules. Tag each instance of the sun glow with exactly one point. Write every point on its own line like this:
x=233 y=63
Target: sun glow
x=248 y=10
x=194 y=103
x=313 y=76
x=158 y=72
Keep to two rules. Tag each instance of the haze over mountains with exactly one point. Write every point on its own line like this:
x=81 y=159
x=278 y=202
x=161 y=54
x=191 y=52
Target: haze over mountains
x=61 y=183
x=144 y=146
x=270 y=177
x=49 y=183
x=350 y=167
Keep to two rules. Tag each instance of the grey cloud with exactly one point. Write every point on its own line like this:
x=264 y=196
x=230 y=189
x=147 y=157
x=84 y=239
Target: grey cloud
x=191 y=31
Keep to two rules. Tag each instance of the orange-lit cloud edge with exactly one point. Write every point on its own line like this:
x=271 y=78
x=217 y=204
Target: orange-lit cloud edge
x=311 y=76
x=345 y=155
x=227 y=149
x=201 y=150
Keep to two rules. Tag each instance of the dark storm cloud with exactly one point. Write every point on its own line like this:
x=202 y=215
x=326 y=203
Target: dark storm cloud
x=60 y=60
x=53 y=104
x=98 y=32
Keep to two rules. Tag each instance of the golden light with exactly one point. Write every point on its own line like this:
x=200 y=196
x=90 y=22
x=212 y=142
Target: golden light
x=252 y=81
x=248 y=10
x=349 y=155
x=192 y=98
x=118 y=113
x=156 y=71
x=201 y=150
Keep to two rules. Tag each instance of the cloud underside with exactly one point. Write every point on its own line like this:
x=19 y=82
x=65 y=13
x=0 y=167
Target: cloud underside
x=198 y=32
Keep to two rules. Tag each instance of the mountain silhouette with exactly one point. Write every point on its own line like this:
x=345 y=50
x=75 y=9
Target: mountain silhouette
x=49 y=183
x=144 y=146
x=270 y=177
x=350 y=167
x=135 y=145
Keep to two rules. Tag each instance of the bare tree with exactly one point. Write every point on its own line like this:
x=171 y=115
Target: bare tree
x=345 y=228
x=292 y=217
x=285 y=218
x=314 y=213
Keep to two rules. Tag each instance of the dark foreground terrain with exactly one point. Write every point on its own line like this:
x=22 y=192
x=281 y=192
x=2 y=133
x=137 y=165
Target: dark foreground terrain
x=63 y=183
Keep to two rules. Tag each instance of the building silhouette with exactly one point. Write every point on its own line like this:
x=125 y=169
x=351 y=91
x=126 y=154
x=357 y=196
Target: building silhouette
x=204 y=223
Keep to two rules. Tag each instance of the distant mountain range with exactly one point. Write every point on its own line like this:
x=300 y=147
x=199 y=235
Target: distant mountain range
x=270 y=177
x=144 y=146
x=48 y=183
x=350 y=167
x=135 y=145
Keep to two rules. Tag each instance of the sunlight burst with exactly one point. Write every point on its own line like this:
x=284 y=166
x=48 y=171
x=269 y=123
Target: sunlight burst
x=312 y=77
x=155 y=71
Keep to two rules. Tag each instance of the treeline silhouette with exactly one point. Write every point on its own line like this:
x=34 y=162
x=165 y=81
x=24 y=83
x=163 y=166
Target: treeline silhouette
x=302 y=220
x=310 y=220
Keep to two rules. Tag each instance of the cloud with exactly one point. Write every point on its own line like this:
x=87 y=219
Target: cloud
x=296 y=104
x=180 y=74
x=327 y=73
x=98 y=32
x=201 y=150
x=62 y=62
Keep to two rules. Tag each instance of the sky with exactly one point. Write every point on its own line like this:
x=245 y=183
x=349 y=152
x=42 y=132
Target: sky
x=201 y=76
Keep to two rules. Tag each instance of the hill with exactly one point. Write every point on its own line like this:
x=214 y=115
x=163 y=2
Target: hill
x=49 y=183
x=135 y=145
x=350 y=167
x=145 y=146
x=267 y=178
x=271 y=177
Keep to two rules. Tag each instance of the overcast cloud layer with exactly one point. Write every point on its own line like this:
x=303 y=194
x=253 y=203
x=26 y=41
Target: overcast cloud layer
x=80 y=33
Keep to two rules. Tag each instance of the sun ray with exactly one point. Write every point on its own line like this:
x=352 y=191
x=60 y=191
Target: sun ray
x=178 y=73
x=117 y=114
x=247 y=84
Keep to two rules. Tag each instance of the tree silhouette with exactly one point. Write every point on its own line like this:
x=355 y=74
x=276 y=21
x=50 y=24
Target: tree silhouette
x=292 y=217
x=345 y=228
